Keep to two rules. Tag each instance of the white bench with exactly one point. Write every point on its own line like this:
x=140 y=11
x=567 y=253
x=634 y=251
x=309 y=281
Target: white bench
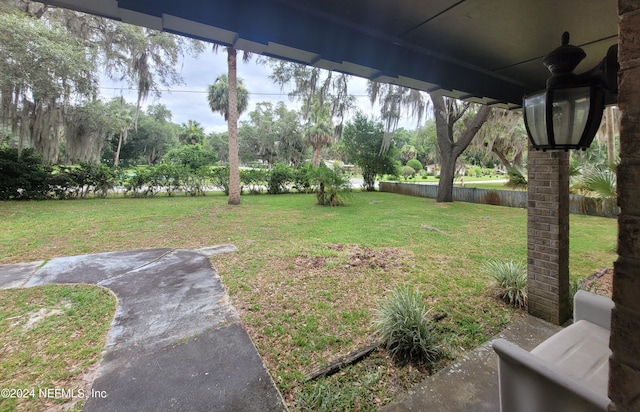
x=565 y=373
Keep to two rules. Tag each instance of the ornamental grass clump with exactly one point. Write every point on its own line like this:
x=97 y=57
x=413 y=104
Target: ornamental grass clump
x=404 y=325
x=510 y=280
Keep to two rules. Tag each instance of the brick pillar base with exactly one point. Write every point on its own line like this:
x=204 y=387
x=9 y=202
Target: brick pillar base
x=548 y=236
x=624 y=364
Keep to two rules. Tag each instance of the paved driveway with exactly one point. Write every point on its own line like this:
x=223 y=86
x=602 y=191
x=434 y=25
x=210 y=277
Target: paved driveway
x=175 y=343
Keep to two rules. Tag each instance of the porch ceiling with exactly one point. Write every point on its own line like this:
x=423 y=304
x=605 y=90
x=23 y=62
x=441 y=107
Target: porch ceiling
x=488 y=51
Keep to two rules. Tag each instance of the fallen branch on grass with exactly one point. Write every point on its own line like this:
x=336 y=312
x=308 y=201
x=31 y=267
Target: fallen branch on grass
x=340 y=363
x=354 y=357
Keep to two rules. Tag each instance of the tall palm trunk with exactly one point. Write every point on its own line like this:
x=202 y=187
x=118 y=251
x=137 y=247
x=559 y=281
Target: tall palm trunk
x=232 y=124
x=316 y=155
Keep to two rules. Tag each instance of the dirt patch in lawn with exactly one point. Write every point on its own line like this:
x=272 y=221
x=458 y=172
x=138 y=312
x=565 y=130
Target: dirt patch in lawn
x=349 y=257
x=325 y=296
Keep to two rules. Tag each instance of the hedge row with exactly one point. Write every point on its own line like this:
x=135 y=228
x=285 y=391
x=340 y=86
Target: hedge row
x=25 y=177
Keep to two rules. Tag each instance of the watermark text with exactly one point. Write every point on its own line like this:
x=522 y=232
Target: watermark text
x=51 y=393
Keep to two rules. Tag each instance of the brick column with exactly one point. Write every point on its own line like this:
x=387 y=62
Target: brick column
x=624 y=364
x=548 y=236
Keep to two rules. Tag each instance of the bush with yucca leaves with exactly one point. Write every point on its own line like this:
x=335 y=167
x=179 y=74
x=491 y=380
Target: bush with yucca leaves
x=511 y=280
x=404 y=325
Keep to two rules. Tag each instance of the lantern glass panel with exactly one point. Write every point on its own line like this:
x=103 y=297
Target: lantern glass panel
x=535 y=116
x=570 y=114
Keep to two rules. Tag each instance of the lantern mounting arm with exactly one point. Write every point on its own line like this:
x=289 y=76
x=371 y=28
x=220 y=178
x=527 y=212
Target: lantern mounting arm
x=604 y=75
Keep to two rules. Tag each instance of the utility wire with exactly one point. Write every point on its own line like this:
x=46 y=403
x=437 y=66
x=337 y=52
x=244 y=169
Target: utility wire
x=131 y=89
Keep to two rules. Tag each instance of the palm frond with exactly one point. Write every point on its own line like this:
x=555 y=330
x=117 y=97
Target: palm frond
x=601 y=181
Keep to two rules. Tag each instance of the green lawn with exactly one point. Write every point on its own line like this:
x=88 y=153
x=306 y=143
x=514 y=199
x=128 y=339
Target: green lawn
x=306 y=279
x=51 y=337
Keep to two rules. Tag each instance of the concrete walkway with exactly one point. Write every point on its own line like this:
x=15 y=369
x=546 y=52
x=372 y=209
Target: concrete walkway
x=471 y=384
x=175 y=343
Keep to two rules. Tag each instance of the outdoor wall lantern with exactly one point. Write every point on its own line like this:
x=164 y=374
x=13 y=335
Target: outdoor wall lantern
x=567 y=114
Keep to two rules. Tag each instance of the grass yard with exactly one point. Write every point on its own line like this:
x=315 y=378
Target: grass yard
x=306 y=279
x=51 y=337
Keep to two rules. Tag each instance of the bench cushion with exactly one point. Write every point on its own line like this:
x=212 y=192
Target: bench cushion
x=582 y=351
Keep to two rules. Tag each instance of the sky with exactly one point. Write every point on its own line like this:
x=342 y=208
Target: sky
x=188 y=101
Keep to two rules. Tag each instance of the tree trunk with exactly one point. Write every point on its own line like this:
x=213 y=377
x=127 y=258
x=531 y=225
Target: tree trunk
x=447 y=174
x=505 y=162
x=369 y=181
x=121 y=138
x=232 y=124
x=316 y=156
x=449 y=148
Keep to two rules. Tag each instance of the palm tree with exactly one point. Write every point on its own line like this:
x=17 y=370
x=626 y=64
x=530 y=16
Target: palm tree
x=229 y=97
x=218 y=96
x=319 y=134
x=191 y=133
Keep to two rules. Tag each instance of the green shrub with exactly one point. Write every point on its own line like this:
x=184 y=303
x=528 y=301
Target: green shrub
x=192 y=156
x=254 y=179
x=302 y=178
x=403 y=324
x=415 y=165
x=62 y=185
x=577 y=284
x=141 y=182
x=220 y=178
x=279 y=179
x=194 y=182
x=332 y=187
x=77 y=181
x=407 y=172
x=23 y=176
x=102 y=178
x=511 y=280
x=170 y=177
